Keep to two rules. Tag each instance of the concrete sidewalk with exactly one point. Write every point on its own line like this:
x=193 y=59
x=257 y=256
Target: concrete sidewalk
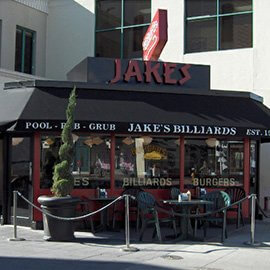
x=103 y=251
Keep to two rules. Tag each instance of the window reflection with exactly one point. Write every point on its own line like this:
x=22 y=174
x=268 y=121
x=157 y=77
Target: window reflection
x=218 y=25
x=133 y=38
x=137 y=12
x=91 y=167
x=214 y=165
x=201 y=35
x=108 y=14
x=236 y=31
x=146 y=162
x=108 y=44
x=91 y=164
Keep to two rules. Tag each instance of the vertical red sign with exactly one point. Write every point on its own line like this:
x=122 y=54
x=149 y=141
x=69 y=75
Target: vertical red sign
x=156 y=36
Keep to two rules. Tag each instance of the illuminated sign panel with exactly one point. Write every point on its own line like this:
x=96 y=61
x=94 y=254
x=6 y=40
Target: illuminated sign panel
x=156 y=36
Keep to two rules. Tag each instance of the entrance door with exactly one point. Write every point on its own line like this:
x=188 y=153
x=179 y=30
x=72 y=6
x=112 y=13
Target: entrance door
x=21 y=178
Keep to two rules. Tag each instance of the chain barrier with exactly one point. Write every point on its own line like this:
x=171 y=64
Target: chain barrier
x=73 y=218
x=261 y=210
x=161 y=209
x=127 y=231
x=158 y=207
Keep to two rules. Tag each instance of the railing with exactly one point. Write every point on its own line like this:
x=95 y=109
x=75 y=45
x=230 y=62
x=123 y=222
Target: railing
x=127 y=224
x=253 y=198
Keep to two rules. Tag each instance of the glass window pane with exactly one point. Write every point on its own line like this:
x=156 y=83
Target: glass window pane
x=28 y=52
x=133 y=42
x=201 y=35
x=108 y=44
x=108 y=14
x=146 y=162
x=214 y=165
x=201 y=7
x=49 y=157
x=18 y=52
x=137 y=12
x=236 y=31
x=91 y=164
x=232 y=6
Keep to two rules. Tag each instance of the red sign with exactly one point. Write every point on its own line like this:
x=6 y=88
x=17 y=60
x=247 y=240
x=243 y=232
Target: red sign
x=167 y=73
x=156 y=36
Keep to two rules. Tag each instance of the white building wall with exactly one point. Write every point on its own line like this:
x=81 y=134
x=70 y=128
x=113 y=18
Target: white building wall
x=261 y=39
x=13 y=13
x=230 y=69
x=41 y=5
x=71 y=35
x=238 y=69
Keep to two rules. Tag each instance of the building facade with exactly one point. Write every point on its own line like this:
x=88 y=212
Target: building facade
x=228 y=36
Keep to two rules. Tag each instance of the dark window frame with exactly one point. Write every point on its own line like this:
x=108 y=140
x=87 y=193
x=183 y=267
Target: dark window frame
x=218 y=16
x=25 y=31
x=120 y=28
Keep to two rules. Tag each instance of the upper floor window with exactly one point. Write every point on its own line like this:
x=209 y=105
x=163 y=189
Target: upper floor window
x=120 y=27
x=218 y=25
x=24 y=54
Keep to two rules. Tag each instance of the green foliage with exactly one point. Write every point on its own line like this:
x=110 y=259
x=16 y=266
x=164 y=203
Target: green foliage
x=62 y=177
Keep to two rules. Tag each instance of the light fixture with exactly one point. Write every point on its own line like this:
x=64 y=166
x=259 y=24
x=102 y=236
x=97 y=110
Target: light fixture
x=97 y=140
x=49 y=141
x=147 y=140
x=16 y=141
x=212 y=142
x=75 y=137
x=154 y=155
x=128 y=141
x=177 y=142
x=90 y=141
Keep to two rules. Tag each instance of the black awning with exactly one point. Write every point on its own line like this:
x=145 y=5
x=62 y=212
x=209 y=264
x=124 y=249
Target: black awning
x=147 y=112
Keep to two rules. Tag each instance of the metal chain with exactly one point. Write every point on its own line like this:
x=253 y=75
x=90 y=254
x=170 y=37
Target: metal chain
x=132 y=197
x=74 y=218
x=203 y=214
x=262 y=211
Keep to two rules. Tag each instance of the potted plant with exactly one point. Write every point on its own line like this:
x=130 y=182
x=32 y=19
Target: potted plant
x=61 y=203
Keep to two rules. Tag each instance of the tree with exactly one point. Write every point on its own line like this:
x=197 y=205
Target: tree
x=63 y=181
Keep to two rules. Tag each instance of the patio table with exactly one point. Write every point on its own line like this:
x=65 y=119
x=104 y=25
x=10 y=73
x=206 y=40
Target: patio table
x=185 y=224
x=104 y=220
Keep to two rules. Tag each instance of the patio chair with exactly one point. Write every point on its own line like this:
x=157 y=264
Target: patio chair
x=236 y=194
x=174 y=193
x=118 y=209
x=83 y=210
x=148 y=207
x=218 y=199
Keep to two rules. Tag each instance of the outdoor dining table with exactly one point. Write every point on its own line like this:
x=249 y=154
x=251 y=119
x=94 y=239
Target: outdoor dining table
x=104 y=219
x=184 y=208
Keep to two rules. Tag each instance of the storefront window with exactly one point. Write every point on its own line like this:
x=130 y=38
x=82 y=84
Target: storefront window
x=49 y=157
x=213 y=163
x=147 y=162
x=91 y=165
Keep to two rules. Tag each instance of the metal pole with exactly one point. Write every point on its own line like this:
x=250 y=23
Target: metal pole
x=128 y=247
x=15 y=199
x=127 y=222
x=252 y=223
